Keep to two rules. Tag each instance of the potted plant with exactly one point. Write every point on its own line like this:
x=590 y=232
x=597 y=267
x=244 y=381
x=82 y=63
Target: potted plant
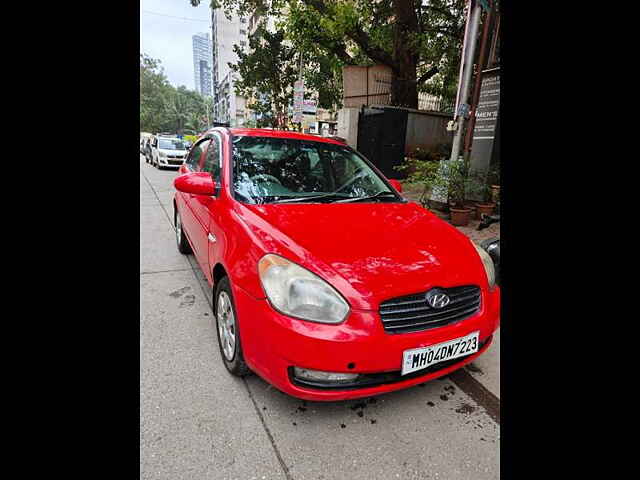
x=422 y=172
x=453 y=176
x=485 y=206
x=494 y=184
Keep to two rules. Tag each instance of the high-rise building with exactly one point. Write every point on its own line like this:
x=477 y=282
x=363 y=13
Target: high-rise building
x=228 y=107
x=202 y=63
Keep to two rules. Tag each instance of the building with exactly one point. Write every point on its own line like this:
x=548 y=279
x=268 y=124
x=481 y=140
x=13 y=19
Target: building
x=227 y=32
x=231 y=108
x=202 y=63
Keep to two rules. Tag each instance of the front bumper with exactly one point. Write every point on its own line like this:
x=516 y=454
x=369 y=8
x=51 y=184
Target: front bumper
x=274 y=343
x=170 y=162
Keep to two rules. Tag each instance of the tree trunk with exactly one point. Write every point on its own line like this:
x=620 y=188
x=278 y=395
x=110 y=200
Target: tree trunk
x=404 y=90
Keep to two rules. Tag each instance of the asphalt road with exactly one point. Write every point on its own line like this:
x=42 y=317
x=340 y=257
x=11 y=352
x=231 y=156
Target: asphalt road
x=199 y=422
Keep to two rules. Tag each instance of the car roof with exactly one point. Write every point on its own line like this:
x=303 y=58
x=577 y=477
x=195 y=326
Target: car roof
x=265 y=132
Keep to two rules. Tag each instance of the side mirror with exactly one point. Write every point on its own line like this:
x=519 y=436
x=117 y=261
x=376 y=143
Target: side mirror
x=196 y=183
x=396 y=184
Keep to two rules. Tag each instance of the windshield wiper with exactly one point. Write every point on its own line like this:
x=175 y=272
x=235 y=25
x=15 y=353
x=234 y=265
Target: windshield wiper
x=370 y=197
x=315 y=197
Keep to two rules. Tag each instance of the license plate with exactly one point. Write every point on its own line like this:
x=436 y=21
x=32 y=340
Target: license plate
x=419 y=358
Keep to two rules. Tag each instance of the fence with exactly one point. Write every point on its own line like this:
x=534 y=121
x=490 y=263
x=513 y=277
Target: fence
x=434 y=103
x=371 y=85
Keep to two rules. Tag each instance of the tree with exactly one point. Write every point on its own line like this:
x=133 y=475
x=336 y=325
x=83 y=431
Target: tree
x=419 y=40
x=154 y=91
x=166 y=108
x=266 y=75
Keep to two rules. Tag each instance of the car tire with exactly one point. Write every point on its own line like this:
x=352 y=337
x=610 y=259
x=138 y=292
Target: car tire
x=181 y=239
x=224 y=311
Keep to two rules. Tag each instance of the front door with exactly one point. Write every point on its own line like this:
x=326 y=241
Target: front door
x=205 y=208
x=187 y=204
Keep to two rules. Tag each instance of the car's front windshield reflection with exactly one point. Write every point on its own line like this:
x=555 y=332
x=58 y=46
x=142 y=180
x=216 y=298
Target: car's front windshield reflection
x=288 y=170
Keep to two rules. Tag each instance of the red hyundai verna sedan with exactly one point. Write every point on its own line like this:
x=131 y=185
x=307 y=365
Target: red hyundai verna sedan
x=328 y=283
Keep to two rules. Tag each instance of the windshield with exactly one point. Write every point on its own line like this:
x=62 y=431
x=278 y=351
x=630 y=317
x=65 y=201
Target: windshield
x=171 y=144
x=278 y=170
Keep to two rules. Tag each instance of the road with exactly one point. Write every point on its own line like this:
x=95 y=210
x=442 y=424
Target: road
x=199 y=422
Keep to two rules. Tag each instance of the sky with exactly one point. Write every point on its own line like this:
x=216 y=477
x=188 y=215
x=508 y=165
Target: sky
x=169 y=39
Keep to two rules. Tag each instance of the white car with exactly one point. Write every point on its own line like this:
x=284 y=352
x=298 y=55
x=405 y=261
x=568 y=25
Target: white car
x=168 y=152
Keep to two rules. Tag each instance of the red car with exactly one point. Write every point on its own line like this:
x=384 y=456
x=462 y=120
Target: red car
x=327 y=282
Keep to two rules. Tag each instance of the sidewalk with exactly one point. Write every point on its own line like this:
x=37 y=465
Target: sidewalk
x=412 y=193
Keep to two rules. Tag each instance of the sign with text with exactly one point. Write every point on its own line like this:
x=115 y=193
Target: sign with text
x=298 y=99
x=484 y=132
x=309 y=106
x=487 y=110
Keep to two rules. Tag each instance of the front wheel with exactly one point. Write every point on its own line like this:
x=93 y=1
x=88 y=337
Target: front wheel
x=228 y=331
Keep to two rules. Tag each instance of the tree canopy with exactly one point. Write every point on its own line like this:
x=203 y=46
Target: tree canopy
x=164 y=108
x=420 y=40
x=266 y=74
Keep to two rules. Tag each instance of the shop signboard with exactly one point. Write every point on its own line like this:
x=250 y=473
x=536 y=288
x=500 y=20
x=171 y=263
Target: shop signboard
x=484 y=131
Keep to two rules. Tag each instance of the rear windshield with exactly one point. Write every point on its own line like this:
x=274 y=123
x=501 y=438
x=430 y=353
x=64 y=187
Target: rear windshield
x=171 y=144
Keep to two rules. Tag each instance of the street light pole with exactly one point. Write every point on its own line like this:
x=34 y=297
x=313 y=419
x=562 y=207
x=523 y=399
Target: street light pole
x=475 y=96
x=463 y=107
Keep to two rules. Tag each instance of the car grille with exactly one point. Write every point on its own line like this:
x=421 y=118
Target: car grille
x=412 y=313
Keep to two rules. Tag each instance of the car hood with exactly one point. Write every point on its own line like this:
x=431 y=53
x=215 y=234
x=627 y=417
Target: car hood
x=369 y=252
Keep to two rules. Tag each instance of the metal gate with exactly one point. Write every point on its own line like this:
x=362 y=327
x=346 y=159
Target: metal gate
x=381 y=137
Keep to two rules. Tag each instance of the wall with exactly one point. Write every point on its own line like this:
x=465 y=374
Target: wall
x=366 y=85
x=427 y=130
x=348 y=125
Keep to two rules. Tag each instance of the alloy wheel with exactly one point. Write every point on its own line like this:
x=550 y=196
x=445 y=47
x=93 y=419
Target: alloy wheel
x=178 y=229
x=226 y=325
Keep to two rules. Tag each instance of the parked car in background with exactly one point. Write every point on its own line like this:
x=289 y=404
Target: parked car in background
x=167 y=152
x=147 y=149
x=326 y=281
x=144 y=137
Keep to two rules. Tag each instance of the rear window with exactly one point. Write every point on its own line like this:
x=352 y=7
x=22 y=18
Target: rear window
x=171 y=144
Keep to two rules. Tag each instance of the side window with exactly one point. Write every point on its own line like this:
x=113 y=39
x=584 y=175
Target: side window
x=212 y=162
x=193 y=161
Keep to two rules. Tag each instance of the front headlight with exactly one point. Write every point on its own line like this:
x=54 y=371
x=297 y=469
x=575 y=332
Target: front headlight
x=487 y=261
x=299 y=293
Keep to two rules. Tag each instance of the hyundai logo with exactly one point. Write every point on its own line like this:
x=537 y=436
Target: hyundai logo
x=437 y=299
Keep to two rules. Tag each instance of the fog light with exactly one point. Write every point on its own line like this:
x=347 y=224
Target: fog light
x=327 y=377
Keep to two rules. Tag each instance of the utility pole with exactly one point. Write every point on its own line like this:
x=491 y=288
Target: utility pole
x=298 y=98
x=478 y=82
x=465 y=80
x=300 y=80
